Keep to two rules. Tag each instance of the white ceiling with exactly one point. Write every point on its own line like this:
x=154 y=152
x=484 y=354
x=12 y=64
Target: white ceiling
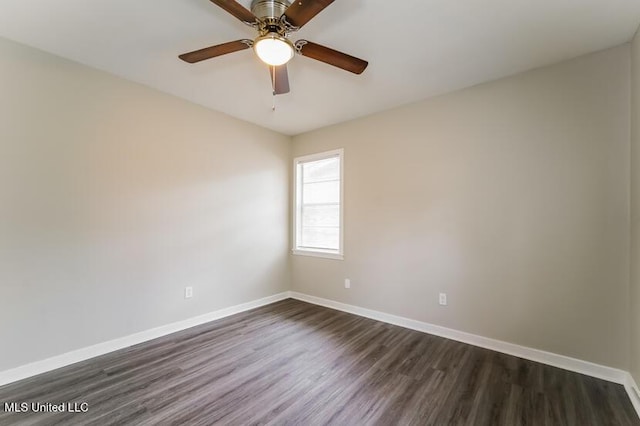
x=415 y=48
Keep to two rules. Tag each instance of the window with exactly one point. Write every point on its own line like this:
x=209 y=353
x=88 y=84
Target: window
x=318 y=205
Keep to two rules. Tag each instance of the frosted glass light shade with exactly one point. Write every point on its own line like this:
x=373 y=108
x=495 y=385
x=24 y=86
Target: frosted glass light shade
x=273 y=49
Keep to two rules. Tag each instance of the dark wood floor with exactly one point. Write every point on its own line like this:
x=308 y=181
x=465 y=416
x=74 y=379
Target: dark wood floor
x=300 y=364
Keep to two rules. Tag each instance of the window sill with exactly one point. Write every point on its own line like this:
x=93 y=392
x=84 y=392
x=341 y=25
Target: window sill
x=314 y=253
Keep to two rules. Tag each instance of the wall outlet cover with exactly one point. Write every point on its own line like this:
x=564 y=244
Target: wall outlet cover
x=442 y=299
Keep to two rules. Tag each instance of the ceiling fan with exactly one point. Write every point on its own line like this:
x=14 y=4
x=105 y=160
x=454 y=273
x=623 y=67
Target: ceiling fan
x=275 y=20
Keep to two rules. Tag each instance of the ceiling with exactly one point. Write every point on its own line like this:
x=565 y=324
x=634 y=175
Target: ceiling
x=416 y=49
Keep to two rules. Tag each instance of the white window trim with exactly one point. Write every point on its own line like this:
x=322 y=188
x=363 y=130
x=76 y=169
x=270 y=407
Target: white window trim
x=297 y=188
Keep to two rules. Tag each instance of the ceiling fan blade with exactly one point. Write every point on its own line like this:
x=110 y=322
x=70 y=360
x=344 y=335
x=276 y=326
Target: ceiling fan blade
x=217 y=50
x=331 y=57
x=236 y=9
x=302 y=11
x=279 y=79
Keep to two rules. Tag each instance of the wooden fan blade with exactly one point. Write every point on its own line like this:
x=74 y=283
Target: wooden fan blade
x=332 y=57
x=302 y=11
x=279 y=79
x=213 y=51
x=236 y=9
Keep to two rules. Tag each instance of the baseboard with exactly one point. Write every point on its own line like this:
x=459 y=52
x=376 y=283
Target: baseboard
x=567 y=363
x=39 y=367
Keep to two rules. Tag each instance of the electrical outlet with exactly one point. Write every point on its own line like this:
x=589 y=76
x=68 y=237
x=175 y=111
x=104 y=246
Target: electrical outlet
x=188 y=292
x=347 y=283
x=442 y=299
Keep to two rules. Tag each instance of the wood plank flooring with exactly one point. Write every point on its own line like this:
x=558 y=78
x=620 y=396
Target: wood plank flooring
x=292 y=363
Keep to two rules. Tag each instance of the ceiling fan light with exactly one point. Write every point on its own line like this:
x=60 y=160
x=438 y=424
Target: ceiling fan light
x=273 y=49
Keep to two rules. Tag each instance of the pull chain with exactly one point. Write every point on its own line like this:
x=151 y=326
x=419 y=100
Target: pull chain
x=273 y=78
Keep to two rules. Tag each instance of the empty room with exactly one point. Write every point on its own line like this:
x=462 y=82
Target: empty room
x=319 y=212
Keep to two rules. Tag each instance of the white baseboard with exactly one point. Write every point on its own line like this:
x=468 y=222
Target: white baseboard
x=584 y=367
x=39 y=367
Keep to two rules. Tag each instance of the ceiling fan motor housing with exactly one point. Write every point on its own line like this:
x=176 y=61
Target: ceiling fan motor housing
x=269 y=9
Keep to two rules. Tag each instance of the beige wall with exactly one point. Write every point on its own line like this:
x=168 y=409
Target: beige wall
x=635 y=208
x=512 y=197
x=114 y=197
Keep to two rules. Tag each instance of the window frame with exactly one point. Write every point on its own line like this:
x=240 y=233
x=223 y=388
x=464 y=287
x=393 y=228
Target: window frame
x=297 y=206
